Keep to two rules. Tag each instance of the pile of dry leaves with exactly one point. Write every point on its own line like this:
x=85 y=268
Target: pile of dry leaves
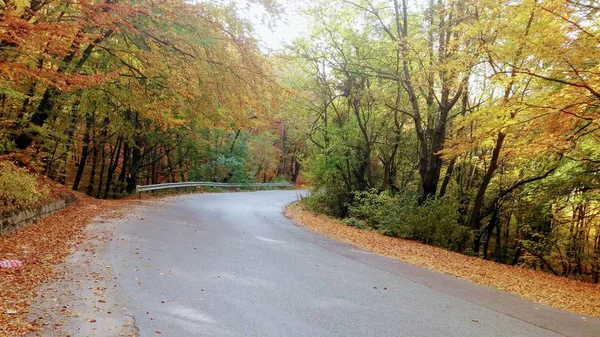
x=40 y=247
x=536 y=286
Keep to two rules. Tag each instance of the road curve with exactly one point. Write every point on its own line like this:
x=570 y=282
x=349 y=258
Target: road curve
x=232 y=265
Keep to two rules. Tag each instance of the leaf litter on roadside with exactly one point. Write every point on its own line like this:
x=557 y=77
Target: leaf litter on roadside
x=532 y=285
x=41 y=246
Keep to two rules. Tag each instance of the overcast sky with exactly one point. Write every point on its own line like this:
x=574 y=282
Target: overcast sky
x=273 y=34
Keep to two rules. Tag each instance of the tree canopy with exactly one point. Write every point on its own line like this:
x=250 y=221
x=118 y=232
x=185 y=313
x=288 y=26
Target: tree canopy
x=108 y=94
x=477 y=114
x=471 y=125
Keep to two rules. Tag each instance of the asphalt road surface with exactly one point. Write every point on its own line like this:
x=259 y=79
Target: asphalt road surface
x=232 y=265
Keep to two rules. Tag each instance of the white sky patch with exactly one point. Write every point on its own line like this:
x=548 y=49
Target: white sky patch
x=273 y=33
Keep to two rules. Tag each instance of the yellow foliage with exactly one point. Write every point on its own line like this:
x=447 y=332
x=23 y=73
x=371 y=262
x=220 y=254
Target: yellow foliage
x=18 y=188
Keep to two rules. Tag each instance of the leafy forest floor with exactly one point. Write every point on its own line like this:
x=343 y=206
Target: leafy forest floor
x=532 y=285
x=41 y=247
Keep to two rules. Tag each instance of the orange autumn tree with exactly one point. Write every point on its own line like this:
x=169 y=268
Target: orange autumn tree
x=130 y=91
x=44 y=46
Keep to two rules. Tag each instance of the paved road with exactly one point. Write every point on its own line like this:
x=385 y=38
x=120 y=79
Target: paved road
x=232 y=265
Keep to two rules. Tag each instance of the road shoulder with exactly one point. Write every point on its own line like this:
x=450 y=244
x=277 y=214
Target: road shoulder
x=534 y=286
x=86 y=299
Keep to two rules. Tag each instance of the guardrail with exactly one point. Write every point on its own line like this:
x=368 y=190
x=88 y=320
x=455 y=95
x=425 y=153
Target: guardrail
x=155 y=187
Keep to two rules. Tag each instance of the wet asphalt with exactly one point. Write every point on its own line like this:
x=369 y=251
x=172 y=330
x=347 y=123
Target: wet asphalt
x=231 y=264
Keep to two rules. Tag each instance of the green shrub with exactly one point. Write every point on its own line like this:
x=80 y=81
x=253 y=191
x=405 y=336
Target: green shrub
x=354 y=222
x=370 y=206
x=5 y=144
x=329 y=201
x=434 y=222
x=18 y=188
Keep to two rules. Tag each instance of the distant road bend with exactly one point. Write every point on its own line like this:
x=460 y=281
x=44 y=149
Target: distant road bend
x=231 y=264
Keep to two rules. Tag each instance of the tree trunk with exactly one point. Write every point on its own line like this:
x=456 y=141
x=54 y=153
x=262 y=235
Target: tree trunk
x=490 y=230
x=135 y=166
x=170 y=166
x=153 y=172
x=295 y=169
x=85 y=150
x=90 y=187
x=102 y=168
x=70 y=136
x=474 y=221
x=447 y=177
x=124 y=166
x=112 y=166
x=518 y=252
